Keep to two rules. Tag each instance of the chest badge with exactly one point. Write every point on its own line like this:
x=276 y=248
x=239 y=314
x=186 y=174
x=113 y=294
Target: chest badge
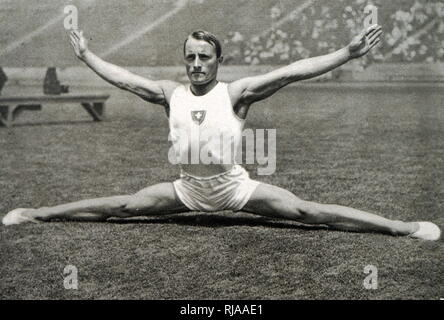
x=198 y=116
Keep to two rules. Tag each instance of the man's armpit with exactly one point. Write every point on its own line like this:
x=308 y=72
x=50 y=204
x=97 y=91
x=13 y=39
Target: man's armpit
x=168 y=88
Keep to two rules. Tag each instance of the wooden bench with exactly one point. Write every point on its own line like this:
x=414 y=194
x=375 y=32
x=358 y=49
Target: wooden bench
x=11 y=107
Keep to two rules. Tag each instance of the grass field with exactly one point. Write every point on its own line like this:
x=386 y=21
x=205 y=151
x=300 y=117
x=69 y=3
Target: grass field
x=379 y=149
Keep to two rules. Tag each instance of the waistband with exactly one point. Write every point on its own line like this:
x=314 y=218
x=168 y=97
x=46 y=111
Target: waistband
x=235 y=168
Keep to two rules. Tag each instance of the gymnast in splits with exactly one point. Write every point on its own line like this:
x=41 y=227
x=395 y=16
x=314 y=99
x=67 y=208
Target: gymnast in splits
x=218 y=108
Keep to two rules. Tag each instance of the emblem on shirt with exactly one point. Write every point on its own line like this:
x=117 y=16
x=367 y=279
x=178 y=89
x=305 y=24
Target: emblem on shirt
x=198 y=116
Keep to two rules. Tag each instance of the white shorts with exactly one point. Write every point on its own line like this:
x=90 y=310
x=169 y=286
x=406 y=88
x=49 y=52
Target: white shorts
x=230 y=190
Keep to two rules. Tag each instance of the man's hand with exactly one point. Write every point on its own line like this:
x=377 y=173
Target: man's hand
x=362 y=43
x=79 y=43
x=158 y=92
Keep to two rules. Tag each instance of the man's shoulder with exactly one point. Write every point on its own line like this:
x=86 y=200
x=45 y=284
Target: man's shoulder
x=169 y=84
x=169 y=87
x=236 y=88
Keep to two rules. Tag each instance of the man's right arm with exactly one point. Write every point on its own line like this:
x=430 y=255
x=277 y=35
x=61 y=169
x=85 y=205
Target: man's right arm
x=158 y=92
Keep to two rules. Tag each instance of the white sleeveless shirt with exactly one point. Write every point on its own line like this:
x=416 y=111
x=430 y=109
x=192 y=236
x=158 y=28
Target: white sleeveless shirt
x=204 y=130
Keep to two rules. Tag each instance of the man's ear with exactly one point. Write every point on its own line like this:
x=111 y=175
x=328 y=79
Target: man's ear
x=220 y=59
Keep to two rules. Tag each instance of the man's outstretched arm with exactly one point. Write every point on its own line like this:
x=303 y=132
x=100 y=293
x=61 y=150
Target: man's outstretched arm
x=248 y=90
x=157 y=92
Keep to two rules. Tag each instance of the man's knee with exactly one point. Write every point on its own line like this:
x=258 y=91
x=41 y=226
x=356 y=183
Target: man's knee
x=137 y=205
x=311 y=212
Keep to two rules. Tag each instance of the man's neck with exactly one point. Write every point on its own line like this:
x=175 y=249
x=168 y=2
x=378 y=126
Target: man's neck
x=200 y=90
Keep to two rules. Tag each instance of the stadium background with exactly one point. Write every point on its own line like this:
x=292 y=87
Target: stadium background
x=263 y=32
x=369 y=135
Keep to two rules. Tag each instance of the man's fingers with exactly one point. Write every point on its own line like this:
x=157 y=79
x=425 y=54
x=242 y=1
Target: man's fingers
x=373 y=33
x=73 y=39
x=371 y=29
x=359 y=39
x=361 y=36
x=75 y=33
x=375 y=43
x=375 y=36
x=73 y=46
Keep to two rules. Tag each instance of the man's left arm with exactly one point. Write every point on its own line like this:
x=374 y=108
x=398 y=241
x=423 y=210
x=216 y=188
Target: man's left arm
x=248 y=90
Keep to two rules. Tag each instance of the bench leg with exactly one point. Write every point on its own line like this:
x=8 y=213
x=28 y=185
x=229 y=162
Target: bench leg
x=96 y=110
x=17 y=110
x=6 y=116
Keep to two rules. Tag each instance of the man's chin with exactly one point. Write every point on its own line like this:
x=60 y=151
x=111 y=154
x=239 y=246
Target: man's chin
x=198 y=82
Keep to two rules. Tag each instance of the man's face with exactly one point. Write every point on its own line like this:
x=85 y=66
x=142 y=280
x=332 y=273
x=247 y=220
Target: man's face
x=201 y=61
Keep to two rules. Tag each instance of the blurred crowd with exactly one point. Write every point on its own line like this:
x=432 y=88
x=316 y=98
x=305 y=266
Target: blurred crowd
x=413 y=32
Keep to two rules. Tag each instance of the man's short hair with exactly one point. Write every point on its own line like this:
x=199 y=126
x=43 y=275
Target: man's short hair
x=208 y=37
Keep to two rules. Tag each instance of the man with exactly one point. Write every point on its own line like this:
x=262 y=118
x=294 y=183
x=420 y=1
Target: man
x=208 y=105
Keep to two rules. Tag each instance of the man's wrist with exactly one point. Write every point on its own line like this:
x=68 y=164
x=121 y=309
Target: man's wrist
x=84 y=55
x=348 y=53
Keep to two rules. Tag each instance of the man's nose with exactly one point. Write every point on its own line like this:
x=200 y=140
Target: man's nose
x=197 y=64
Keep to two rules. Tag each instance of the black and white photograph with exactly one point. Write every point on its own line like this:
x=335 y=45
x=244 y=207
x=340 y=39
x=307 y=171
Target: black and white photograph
x=208 y=150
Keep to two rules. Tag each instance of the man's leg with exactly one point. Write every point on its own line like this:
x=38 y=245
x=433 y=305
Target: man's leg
x=272 y=201
x=157 y=199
